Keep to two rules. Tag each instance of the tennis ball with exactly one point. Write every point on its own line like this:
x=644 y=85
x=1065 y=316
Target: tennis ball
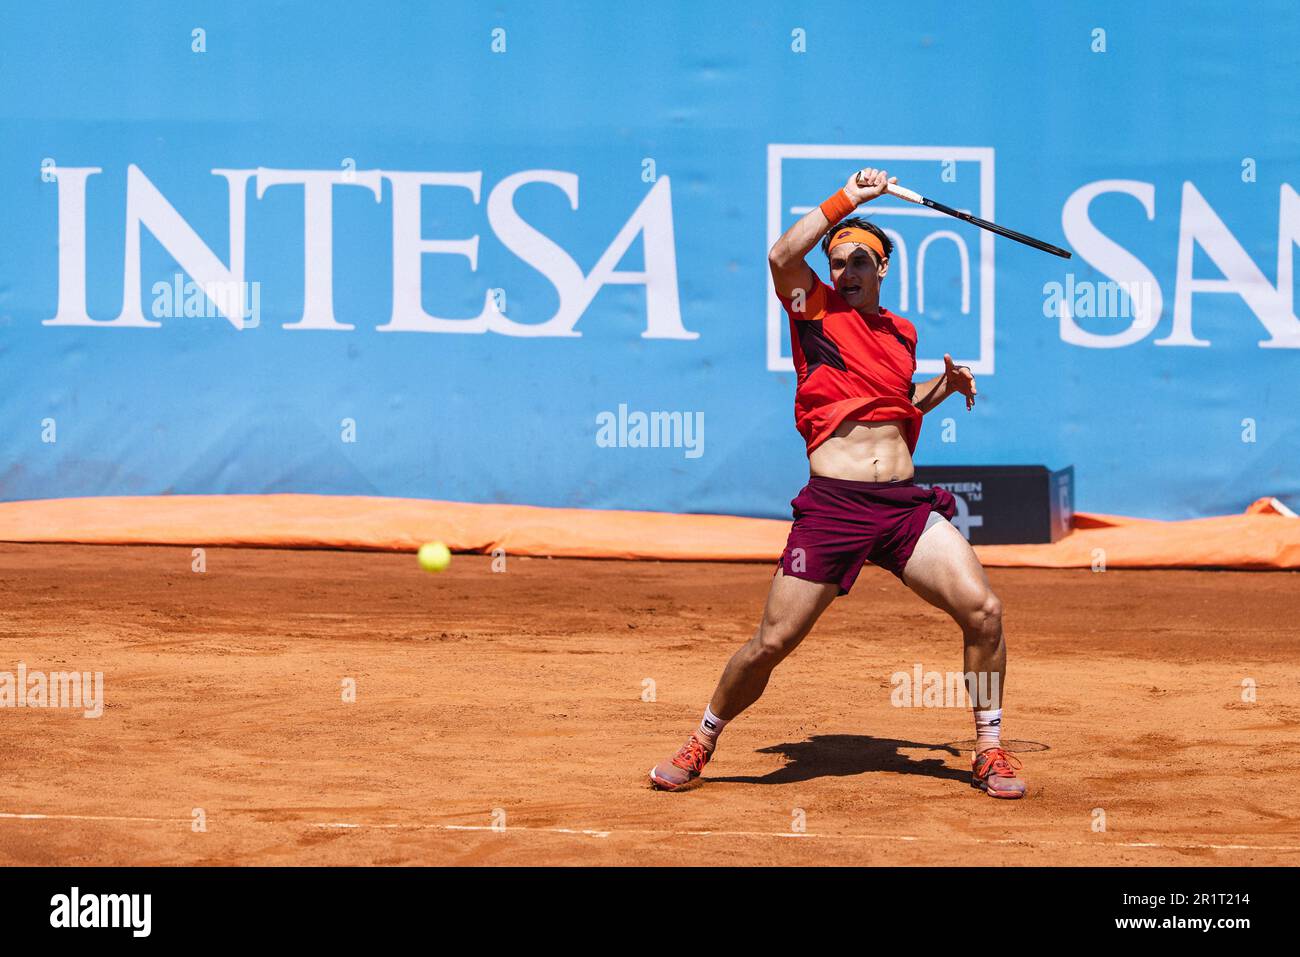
x=434 y=556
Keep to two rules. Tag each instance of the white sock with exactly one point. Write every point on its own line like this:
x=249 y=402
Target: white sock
x=710 y=727
x=988 y=730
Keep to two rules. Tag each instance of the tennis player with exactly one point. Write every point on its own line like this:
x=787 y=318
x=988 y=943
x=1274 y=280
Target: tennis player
x=860 y=414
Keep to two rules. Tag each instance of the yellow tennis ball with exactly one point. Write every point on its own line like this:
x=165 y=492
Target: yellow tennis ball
x=434 y=556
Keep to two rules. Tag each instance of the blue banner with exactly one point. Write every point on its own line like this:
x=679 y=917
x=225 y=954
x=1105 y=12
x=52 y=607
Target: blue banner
x=516 y=252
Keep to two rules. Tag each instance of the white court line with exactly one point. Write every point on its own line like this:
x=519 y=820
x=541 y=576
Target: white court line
x=11 y=816
x=834 y=837
x=660 y=832
x=590 y=832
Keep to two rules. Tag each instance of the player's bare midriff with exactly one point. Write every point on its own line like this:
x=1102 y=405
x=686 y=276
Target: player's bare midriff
x=864 y=452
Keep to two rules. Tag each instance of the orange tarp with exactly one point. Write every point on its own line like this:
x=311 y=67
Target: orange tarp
x=1265 y=537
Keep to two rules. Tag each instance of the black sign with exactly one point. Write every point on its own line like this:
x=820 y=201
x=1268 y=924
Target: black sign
x=1007 y=504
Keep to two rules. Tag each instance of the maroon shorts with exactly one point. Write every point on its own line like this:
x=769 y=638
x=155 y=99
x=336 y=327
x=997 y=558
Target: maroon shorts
x=839 y=525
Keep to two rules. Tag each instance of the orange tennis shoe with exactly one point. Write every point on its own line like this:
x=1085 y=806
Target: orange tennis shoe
x=994 y=772
x=683 y=767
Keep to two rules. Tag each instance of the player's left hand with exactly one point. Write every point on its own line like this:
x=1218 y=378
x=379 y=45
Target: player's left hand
x=960 y=380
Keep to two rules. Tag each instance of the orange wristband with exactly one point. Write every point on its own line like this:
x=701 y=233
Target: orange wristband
x=837 y=206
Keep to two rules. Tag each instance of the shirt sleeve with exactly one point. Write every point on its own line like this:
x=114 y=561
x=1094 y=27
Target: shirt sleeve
x=809 y=305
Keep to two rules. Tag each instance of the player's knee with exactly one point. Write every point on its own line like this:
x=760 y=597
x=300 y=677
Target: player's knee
x=993 y=609
x=774 y=640
x=984 y=619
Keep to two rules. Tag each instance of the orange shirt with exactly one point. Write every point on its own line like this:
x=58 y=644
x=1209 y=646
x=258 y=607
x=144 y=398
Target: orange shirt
x=849 y=367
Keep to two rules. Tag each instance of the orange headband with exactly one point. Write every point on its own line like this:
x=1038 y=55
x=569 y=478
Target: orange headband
x=856 y=234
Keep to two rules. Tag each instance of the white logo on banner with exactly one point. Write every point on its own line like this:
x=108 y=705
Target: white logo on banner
x=147 y=209
x=1198 y=225
x=907 y=266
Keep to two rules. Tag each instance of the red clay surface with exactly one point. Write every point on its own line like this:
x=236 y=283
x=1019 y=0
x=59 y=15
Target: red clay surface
x=517 y=698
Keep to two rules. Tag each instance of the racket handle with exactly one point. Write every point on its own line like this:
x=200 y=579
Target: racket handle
x=902 y=192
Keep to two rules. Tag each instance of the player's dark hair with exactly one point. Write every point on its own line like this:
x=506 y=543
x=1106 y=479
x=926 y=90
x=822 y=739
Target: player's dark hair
x=885 y=242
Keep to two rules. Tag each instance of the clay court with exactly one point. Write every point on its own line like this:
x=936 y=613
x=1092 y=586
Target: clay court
x=516 y=697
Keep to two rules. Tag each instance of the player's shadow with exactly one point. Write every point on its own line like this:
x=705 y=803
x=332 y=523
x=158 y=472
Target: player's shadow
x=843 y=755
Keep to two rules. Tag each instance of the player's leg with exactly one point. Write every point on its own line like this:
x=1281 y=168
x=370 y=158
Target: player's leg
x=944 y=570
x=793 y=607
